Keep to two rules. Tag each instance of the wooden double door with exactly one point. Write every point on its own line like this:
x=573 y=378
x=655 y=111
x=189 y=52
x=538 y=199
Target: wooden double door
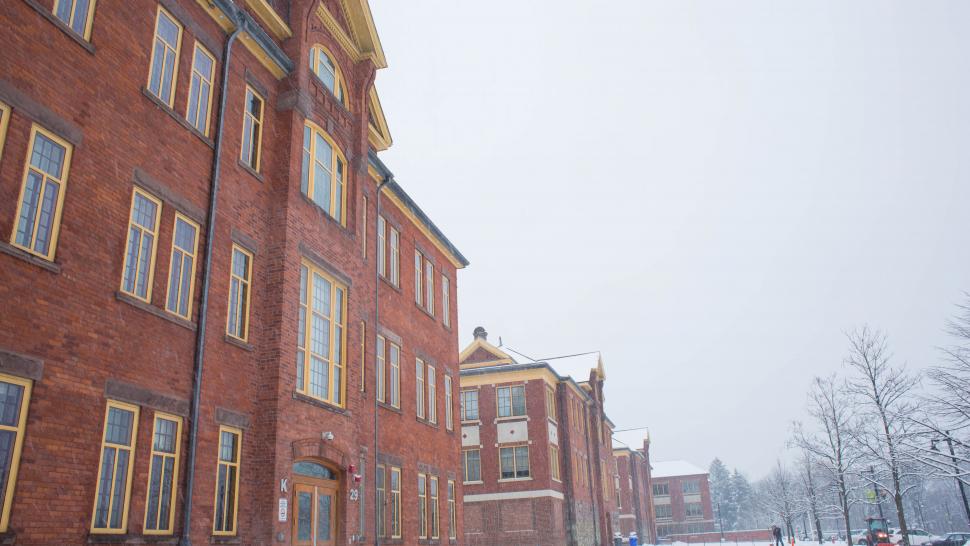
x=314 y=506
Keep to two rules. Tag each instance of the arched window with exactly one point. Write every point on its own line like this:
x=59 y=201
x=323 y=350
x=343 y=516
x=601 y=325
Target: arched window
x=324 y=172
x=326 y=70
x=313 y=470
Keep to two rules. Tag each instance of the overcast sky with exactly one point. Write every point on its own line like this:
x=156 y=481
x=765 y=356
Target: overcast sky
x=709 y=193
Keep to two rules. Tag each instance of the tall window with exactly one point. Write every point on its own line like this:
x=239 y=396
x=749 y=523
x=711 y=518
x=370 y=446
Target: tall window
x=432 y=395
x=469 y=405
x=381 y=246
x=200 y=91
x=227 y=482
x=181 y=274
x=452 y=513
x=694 y=510
x=240 y=277
x=77 y=14
x=324 y=67
x=471 y=463
x=691 y=487
x=419 y=384
x=4 y=121
x=511 y=401
x=14 y=399
x=381 y=502
x=418 y=291
x=163 y=475
x=514 y=462
x=395 y=257
x=422 y=506
x=661 y=490
x=445 y=301
x=394 y=355
x=554 y=462
x=429 y=287
x=250 y=152
x=433 y=520
x=320 y=354
x=140 y=247
x=449 y=421
x=395 y=502
x=324 y=172
x=42 y=194
x=381 y=370
x=165 y=52
x=663 y=511
x=550 y=404
x=114 y=475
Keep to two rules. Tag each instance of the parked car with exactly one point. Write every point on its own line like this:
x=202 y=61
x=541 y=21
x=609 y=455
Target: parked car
x=951 y=539
x=858 y=536
x=917 y=537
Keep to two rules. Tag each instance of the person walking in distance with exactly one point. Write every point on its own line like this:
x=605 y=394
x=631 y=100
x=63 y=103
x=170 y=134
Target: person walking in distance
x=776 y=532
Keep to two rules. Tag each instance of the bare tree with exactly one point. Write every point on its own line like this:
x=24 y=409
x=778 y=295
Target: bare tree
x=778 y=494
x=808 y=475
x=884 y=393
x=831 y=447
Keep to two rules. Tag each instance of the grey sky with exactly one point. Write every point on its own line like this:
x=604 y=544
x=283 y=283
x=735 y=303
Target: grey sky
x=707 y=192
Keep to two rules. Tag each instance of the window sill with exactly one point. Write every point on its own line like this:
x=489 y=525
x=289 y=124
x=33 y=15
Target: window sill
x=511 y=418
x=319 y=403
x=216 y=539
x=128 y=538
x=324 y=213
x=427 y=423
x=429 y=314
x=238 y=343
x=47 y=14
x=137 y=303
x=255 y=174
x=19 y=253
x=179 y=119
x=476 y=482
x=389 y=407
x=388 y=282
x=475 y=423
x=507 y=480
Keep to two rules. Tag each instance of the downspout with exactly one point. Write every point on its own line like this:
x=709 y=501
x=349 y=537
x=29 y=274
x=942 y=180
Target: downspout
x=377 y=314
x=210 y=231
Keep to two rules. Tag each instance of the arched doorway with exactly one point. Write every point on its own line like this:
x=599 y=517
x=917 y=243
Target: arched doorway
x=315 y=488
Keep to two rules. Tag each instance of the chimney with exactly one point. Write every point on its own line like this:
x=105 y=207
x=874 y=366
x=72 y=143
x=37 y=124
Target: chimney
x=480 y=333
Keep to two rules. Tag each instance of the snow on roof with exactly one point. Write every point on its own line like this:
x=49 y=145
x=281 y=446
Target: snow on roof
x=670 y=469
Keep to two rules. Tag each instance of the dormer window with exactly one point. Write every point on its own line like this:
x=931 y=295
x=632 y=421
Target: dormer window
x=323 y=66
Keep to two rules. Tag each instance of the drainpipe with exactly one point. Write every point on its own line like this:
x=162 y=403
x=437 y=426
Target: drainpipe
x=377 y=315
x=210 y=232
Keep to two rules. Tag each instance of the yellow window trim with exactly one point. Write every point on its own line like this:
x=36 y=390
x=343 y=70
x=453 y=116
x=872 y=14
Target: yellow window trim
x=210 y=80
x=4 y=121
x=88 y=17
x=396 y=517
x=220 y=462
x=171 y=257
x=363 y=355
x=305 y=388
x=423 y=500
x=259 y=141
x=339 y=84
x=311 y=176
x=175 y=471
x=17 y=447
x=525 y=400
x=58 y=207
x=131 y=464
x=380 y=357
x=435 y=519
x=249 y=292
x=151 y=262
x=178 y=54
x=273 y=21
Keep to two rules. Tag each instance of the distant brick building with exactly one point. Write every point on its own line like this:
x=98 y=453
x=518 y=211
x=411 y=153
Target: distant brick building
x=538 y=464
x=636 y=512
x=681 y=500
x=179 y=363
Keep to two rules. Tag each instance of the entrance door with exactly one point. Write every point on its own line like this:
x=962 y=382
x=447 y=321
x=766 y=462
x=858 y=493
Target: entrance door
x=315 y=503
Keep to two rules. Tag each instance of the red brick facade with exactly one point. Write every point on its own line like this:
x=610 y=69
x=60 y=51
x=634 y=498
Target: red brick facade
x=69 y=332
x=562 y=425
x=682 y=504
x=636 y=512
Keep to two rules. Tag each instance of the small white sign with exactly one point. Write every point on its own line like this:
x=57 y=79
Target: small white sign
x=283 y=509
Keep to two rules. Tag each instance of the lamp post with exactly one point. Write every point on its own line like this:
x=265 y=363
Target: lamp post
x=720 y=522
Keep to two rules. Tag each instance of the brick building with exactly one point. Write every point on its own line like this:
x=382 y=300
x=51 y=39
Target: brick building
x=681 y=499
x=636 y=512
x=195 y=232
x=538 y=465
